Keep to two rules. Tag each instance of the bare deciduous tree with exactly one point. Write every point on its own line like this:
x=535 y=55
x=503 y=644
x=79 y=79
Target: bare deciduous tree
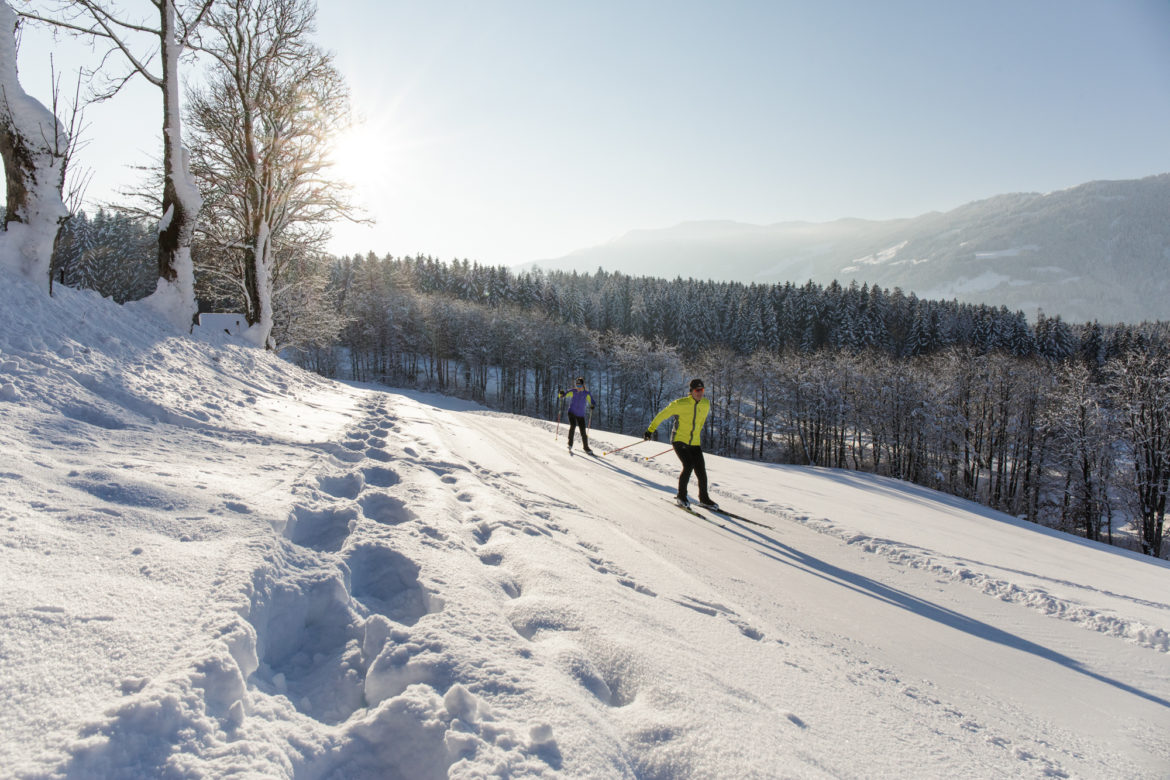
x=1141 y=388
x=263 y=128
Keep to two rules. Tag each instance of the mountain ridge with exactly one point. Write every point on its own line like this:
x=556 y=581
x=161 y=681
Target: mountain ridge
x=1095 y=251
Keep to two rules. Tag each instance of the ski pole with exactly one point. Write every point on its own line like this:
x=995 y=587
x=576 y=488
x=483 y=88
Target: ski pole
x=650 y=457
x=619 y=449
x=560 y=403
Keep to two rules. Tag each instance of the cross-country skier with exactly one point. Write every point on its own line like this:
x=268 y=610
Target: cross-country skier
x=579 y=398
x=691 y=411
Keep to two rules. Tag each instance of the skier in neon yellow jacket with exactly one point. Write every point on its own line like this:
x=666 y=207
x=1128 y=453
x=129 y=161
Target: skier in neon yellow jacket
x=691 y=411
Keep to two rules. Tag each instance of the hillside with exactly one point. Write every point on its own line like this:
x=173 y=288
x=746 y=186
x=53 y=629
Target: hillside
x=1098 y=251
x=216 y=564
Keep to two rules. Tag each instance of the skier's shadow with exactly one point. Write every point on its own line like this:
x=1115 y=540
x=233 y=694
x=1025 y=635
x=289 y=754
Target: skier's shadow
x=611 y=464
x=783 y=553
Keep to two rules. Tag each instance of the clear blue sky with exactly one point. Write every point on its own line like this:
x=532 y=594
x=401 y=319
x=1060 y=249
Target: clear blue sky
x=507 y=132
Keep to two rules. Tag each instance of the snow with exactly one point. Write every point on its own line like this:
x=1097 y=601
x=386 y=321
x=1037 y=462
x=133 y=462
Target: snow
x=221 y=322
x=215 y=564
x=173 y=300
x=1013 y=252
x=878 y=258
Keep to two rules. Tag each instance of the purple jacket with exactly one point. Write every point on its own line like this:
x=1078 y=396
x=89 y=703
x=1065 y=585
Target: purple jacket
x=579 y=398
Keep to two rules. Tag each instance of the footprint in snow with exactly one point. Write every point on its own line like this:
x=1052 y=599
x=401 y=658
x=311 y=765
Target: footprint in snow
x=606 y=671
x=323 y=528
x=344 y=455
x=386 y=583
x=304 y=632
x=491 y=558
x=531 y=619
x=482 y=532
x=342 y=485
x=747 y=630
x=384 y=509
x=634 y=586
x=511 y=587
x=380 y=476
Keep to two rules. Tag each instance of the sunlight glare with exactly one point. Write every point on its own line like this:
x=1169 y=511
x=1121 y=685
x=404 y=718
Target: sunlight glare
x=364 y=156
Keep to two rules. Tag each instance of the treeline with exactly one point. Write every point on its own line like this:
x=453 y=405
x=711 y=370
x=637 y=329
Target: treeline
x=1065 y=425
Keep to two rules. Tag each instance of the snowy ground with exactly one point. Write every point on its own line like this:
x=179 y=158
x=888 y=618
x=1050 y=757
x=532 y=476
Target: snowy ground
x=215 y=564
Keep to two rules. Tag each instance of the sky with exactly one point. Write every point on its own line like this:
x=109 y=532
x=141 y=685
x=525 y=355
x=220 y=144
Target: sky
x=509 y=132
x=216 y=564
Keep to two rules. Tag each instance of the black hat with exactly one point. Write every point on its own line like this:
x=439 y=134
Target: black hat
x=580 y=380
x=696 y=384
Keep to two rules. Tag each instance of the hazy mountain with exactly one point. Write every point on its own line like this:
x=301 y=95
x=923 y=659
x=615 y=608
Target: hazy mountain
x=1097 y=251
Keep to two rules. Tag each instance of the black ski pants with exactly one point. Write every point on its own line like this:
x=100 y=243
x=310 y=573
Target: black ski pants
x=574 y=423
x=691 y=456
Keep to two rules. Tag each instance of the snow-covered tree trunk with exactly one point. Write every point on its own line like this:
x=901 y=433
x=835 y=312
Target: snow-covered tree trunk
x=33 y=145
x=258 y=270
x=174 y=297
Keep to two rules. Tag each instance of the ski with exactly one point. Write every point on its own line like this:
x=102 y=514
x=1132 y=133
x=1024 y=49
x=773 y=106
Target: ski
x=696 y=513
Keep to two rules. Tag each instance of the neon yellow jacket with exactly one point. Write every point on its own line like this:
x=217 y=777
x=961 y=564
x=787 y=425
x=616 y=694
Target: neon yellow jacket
x=691 y=416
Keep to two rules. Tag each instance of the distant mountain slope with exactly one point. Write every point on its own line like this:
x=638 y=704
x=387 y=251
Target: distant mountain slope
x=1096 y=251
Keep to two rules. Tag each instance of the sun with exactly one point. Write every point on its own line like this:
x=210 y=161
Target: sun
x=360 y=154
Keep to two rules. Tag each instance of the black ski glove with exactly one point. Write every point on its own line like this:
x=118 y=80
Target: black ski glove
x=560 y=393
x=647 y=435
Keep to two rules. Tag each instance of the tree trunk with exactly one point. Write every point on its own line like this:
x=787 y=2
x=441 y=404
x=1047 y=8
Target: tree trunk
x=33 y=146
x=175 y=295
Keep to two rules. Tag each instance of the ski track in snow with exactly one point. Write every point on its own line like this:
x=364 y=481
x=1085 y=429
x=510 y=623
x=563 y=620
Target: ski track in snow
x=965 y=572
x=1034 y=598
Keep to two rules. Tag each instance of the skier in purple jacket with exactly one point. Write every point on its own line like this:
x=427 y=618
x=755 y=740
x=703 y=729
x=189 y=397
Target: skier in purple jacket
x=579 y=398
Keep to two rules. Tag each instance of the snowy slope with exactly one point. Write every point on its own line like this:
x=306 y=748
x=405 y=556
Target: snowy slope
x=215 y=564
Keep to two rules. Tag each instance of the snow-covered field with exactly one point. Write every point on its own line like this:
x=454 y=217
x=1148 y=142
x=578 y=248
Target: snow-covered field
x=215 y=564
